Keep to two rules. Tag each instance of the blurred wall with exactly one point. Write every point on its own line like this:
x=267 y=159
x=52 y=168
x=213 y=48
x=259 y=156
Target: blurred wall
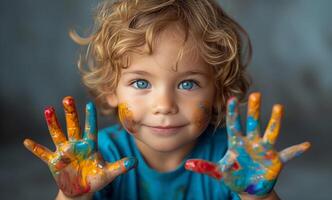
x=292 y=42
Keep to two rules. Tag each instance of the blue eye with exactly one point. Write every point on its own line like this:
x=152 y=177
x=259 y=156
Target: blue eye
x=141 y=84
x=187 y=85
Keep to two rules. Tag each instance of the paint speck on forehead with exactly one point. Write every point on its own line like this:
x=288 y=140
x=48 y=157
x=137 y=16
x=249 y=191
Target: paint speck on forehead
x=126 y=118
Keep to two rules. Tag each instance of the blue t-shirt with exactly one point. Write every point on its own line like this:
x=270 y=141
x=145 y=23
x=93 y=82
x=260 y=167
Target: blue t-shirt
x=146 y=183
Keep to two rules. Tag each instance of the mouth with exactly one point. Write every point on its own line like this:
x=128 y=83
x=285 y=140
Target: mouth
x=165 y=130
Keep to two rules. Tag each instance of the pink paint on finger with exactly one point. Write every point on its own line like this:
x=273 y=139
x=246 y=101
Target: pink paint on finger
x=204 y=167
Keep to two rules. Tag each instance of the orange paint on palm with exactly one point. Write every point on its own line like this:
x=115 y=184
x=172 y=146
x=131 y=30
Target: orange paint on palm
x=87 y=169
x=270 y=158
x=90 y=168
x=71 y=185
x=78 y=183
x=254 y=148
x=60 y=164
x=126 y=118
x=256 y=143
x=274 y=169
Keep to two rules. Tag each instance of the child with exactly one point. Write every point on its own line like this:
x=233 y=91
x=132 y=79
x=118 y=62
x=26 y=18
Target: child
x=167 y=68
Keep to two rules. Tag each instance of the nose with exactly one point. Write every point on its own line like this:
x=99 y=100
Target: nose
x=165 y=103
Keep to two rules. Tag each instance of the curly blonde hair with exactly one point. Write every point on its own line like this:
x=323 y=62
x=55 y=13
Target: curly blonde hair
x=121 y=27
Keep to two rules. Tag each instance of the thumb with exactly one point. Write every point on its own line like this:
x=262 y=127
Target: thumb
x=204 y=167
x=120 y=167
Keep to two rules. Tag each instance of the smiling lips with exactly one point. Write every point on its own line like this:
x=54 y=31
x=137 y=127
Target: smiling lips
x=165 y=130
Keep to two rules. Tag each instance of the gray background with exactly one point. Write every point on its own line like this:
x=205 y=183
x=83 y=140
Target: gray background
x=292 y=43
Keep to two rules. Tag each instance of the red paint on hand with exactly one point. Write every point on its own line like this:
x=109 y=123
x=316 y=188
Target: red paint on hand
x=204 y=167
x=236 y=166
x=70 y=185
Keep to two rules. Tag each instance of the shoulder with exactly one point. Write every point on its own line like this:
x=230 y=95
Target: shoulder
x=217 y=136
x=112 y=131
x=212 y=144
x=113 y=143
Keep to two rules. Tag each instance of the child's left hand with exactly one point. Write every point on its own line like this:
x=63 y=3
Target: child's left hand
x=251 y=164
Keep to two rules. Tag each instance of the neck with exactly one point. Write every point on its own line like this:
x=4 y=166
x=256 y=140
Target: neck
x=164 y=161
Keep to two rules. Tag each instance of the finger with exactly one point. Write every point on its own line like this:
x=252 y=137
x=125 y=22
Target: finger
x=204 y=167
x=228 y=162
x=120 y=167
x=273 y=128
x=39 y=150
x=73 y=127
x=91 y=129
x=233 y=122
x=253 y=128
x=54 y=127
x=233 y=119
x=293 y=151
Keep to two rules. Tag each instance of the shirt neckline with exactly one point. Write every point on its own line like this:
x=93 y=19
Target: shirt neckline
x=150 y=172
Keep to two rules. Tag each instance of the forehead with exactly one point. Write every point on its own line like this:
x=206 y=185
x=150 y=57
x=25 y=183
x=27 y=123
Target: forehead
x=171 y=51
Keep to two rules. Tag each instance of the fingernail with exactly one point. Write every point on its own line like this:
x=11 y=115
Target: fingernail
x=90 y=106
x=256 y=96
x=190 y=164
x=68 y=103
x=27 y=143
x=68 y=100
x=130 y=162
x=306 y=145
x=232 y=101
x=49 y=114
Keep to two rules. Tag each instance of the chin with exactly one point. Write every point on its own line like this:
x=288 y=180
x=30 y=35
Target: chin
x=167 y=142
x=166 y=146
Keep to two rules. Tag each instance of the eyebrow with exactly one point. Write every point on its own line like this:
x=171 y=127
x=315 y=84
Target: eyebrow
x=140 y=72
x=191 y=72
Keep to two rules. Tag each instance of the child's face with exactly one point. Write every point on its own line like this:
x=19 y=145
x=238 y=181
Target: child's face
x=163 y=108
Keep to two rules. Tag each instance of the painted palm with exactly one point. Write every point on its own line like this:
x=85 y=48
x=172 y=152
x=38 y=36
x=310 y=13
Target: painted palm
x=251 y=163
x=76 y=165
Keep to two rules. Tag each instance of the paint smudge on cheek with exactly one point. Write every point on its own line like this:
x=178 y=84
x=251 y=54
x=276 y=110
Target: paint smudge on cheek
x=202 y=115
x=126 y=118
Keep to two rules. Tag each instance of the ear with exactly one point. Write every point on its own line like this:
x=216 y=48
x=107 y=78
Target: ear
x=112 y=100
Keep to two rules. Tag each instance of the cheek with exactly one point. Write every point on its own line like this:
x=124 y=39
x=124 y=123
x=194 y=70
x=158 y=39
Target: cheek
x=201 y=114
x=127 y=118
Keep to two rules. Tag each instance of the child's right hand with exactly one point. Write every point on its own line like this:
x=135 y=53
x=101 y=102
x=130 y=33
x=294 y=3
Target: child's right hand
x=76 y=165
